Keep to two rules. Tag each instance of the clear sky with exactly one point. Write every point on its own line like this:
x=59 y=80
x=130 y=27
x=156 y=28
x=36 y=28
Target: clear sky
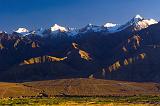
x=73 y=13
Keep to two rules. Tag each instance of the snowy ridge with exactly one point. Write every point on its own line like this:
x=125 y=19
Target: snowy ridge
x=138 y=16
x=112 y=27
x=91 y=28
x=22 y=31
x=135 y=24
x=144 y=24
x=138 y=23
x=56 y=27
x=109 y=25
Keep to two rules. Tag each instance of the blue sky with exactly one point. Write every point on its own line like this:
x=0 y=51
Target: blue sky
x=73 y=13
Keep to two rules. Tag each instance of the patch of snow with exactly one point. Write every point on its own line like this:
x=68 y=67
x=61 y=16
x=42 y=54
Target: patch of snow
x=58 y=28
x=22 y=31
x=144 y=24
x=113 y=29
x=109 y=25
x=138 y=16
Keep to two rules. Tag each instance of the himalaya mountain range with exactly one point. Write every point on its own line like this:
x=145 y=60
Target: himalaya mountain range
x=127 y=52
x=137 y=22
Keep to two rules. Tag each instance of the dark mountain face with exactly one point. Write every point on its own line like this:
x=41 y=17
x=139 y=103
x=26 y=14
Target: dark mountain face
x=137 y=58
x=124 y=55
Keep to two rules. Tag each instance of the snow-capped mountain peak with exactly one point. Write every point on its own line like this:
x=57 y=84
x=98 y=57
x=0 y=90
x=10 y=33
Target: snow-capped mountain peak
x=144 y=24
x=22 y=30
x=138 y=23
x=58 y=28
x=91 y=28
x=109 y=25
x=141 y=23
x=138 y=17
x=135 y=24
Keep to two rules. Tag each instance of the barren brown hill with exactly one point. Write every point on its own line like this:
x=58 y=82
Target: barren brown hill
x=78 y=87
x=16 y=90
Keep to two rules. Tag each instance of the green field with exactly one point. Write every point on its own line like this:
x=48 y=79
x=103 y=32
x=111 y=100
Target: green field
x=83 y=101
